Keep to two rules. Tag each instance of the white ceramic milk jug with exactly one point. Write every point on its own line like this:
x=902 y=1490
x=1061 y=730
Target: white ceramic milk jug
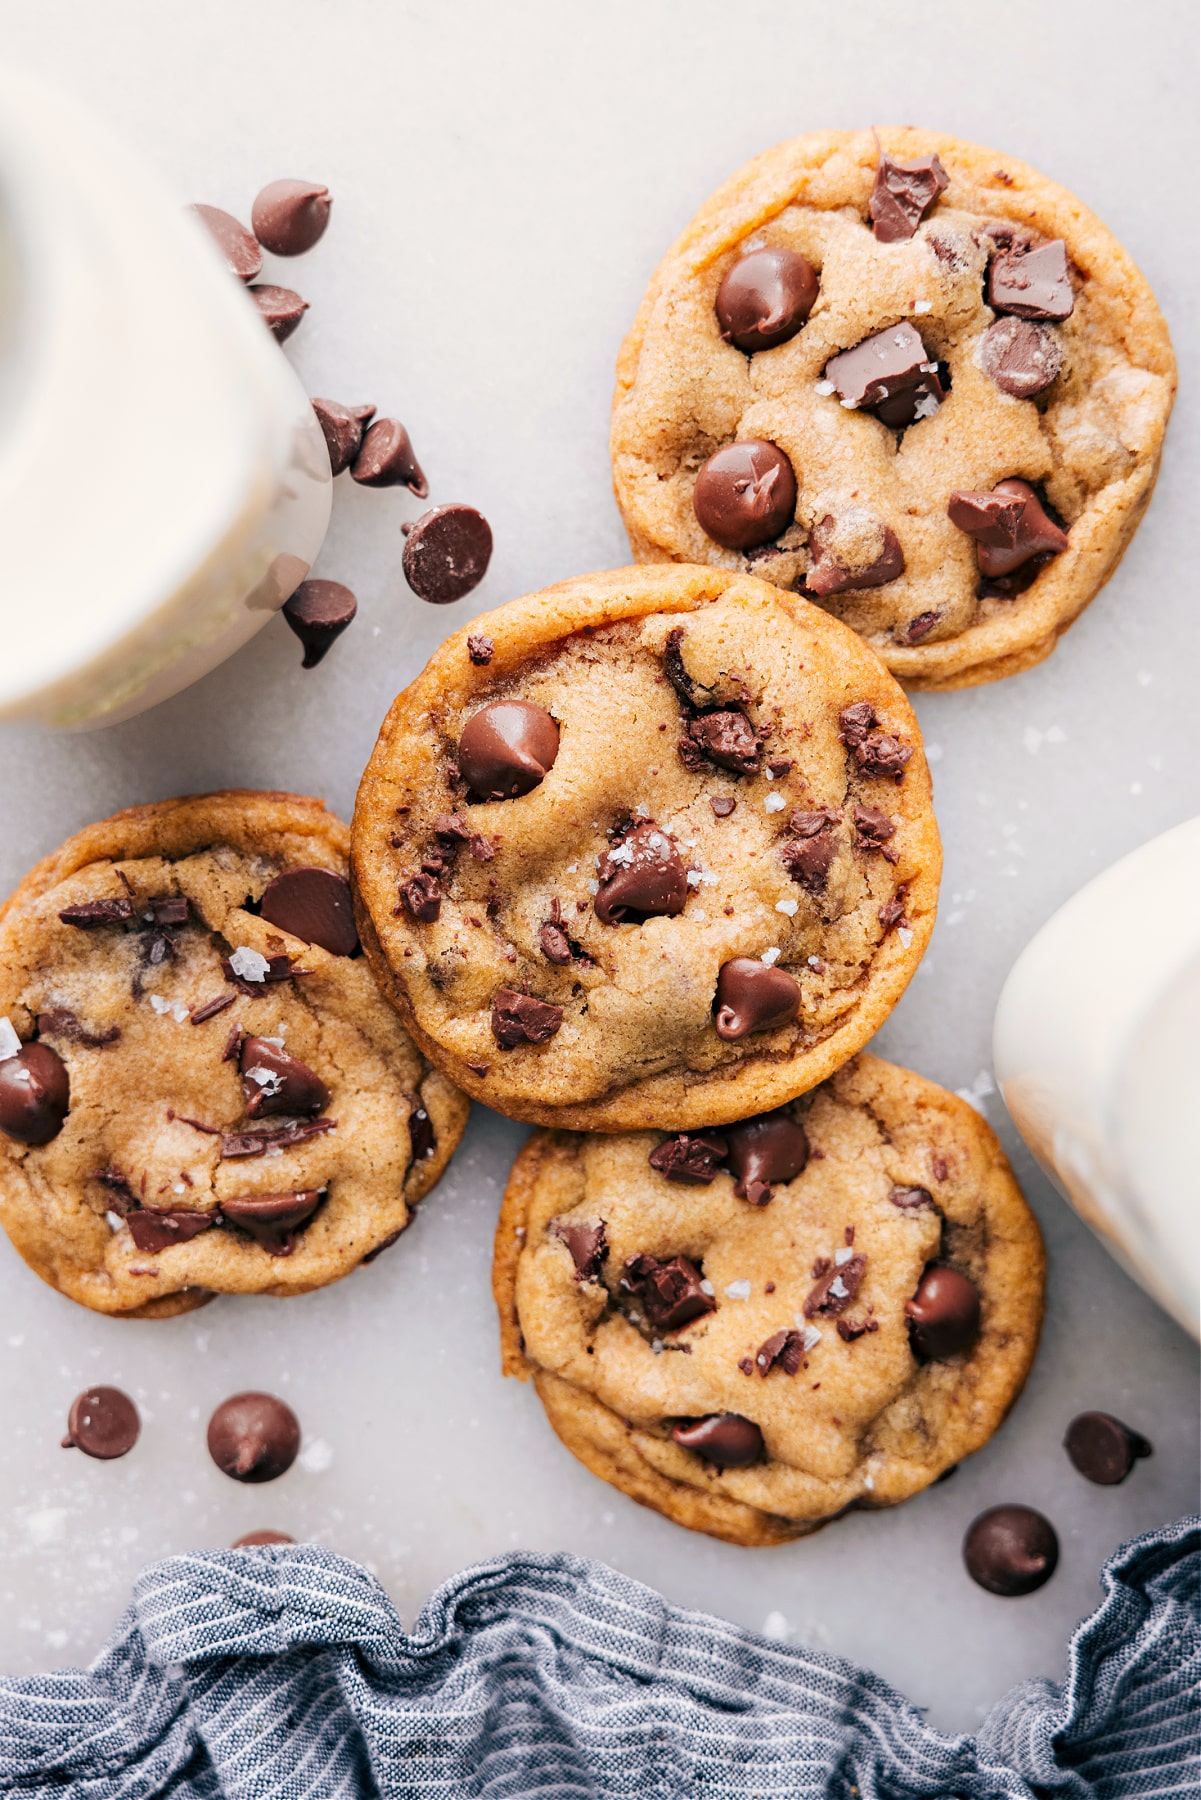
x=164 y=485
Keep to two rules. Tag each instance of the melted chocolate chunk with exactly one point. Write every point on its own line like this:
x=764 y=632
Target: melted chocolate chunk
x=423 y=1139
x=892 y=913
x=903 y=191
x=253 y=1437
x=587 y=1244
x=520 y=1019
x=1011 y=1550
x=556 y=945
x=876 y=752
x=890 y=374
x=103 y=1422
x=725 y=1439
x=342 y=428
x=421 y=896
x=280 y=309
x=809 y=856
x=944 y=1314
x=289 y=217
x=507 y=749
x=62 y=1022
x=1010 y=526
x=873 y=828
x=850 y=1329
x=751 y=996
x=153 y=1229
x=86 y=915
x=641 y=877
x=691 y=1157
x=726 y=738
x=274 y=1082
x=912 y=1199
x=35 y=1094
x=318 y=613
x=273 y=1220
x=1031 y=281
x=770 y=1148
x=275 y=1137
x=765 y=298
x=783 y=1349
x=386 y=459
x=745 y=494
x=1102 y=1448
x=1020 y=357
x=447 y=553
x=723 y=805
x=673 y=665
x=834 y=1290
x=669 y=1293
x=828 y=575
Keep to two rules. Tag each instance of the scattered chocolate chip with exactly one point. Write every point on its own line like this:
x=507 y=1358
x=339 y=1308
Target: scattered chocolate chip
x=903 y=191
x=722 y=804
x=670 y=1293
x=834 y=570
x=920 y=628
x=274 y=1082
x=253 y=1437
x=446 y=553
x=35 y=1094
x=342 y=428
x=809 y=856
x=279 y=308
x=690 y=1157
x=891 y=374
x=275 y=1137
x=1032 y=281
x=1102 y=1448
x=386 y=459
x=480 y=648
x=783 y=1349
x=289 y=217
x=1010 y=526
x=876 y=752
x=421 y=896
x=770 y=1148
x=1020 y=357
x=208 y=1009
x=62 y=1022
x=318 y=612
x=834 y=1290
x=153 y=1229
x=273 y=1219
x=873 y=829
x=254 y=1540
x=850 y=1329
x=103 y=1422
x=912 y=1199
x=726 y=738
x=1011 y=1550
x=745 y=494
x=243 y=257
x=587 y=1244
x=751 y=996
x=313 y=904
x=86 y=915
x=765 y=298
x=641 y=877
x=725 y=1439
x=507 y=748
x=944 y=1314
x=520 y=1019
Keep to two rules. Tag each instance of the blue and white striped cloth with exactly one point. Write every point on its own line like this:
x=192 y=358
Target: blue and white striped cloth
x=285 y=1674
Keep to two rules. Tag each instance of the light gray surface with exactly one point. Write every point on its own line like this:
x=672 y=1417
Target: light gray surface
x=506 y=178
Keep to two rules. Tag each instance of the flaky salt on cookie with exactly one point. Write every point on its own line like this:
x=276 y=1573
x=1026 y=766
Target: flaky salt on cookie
x=665 y=855
x=756 y=1329
x=201 y=1089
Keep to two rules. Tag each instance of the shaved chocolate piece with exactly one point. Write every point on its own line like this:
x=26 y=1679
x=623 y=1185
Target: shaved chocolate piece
x=691 y=1157
x=919 y=628
x=209 y=1009
x=783 y=1349
x=876 y=752
x=233 y=1044
x=809 y=856
x=891 y=374
x=873 y=828
x=745 y=494
x=508 y=748
x=1020 y=357
x=35 y=1094
x=834 y=1291
x=1010 y=526
x=944 y=1314
x=276 y=1137
x=274 y=1082
x=850 y=1329
x=669 y=1293
x=243 y=257
x=253 y=1437
x=273 y=1220
x=722 y=804
x=765 y=298
x=386 y=459
x=446 y=553
x=86 y=915
x=254 y=1540
x=770 y=1148
x=480 y=648
x=103 y=1422
x=520 y=1019
x=751 y=996
x=728 y=739
x=1031 y=281
x=319 y=612
x=641 y=877
x=912 y=1199
x=279 y=308
x=342 y=429
x=725 y=1439
x=828 y=574
x=903 y=191
x=315 y=905
x=587 y=1244
x=62 y=1022
x=422 y=897
x=289 y=217
x=1102 y=1448
x=1011 y=1550
x=153 y=1229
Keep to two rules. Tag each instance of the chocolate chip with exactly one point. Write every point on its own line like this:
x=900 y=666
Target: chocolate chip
x=279 y=308
x=520 y=1019
x=342 y=428
x=421 y=895
x=641 y=877
x=587 y=1244
x=274 y=1082
x=243 y=257
x=480 y=648
x=1020 y=357
x=86 y=915
x=873 y=828
x=274 y=1137
x=447 y=553
x=318 y=612
x=1009 y=524
x=1011 y=1550
x=669 y=1292
x=772 y=1147
x=556 y=945
x=253 y=1437
x=313 y=904
x=1102 y=1448
x=810 y=855
x=722 y=804
x=103 y=1422
x=62 y=1022
x=153 y=1229
x=208 y=1009
x=290 y=216
x=912 y=1199
x=690 y=1157
x=891 y=374
x=903 y=191
x=254 y=1540
x=386 y=459
x=507 y=748
x=1032 y=281
x=834 y=1291
x=35 y=1094
x=783 y=1349
x=944 y=1314
x=725 y=1439
x=876 y=752
x=765 y=298
x=919 y=628
x=751 y=996
x=273 y=1219
x=833 y=567
x=745 y=494
x=728 y=739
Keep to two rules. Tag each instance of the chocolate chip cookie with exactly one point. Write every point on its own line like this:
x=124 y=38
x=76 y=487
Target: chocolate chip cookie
x=665 y=857
x=755 y=1329
x=908 y=377
x=201 y=1089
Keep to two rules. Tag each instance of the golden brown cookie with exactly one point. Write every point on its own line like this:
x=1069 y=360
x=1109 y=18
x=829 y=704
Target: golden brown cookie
x=754 y=1330
x=653 y=847
x=201 y=1089
x=1006 y=335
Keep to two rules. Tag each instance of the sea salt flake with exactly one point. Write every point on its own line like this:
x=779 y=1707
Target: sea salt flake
x=823 y=387
x=160 y=1005
x=839 y=1289
x=594 y=887
x=923 y=306
x=775 y=803
x=248 y=965
x=708 y=1288
x=657 y=1346
x=738 y=1290
x=621 y=854
x=571 y=868
x=10 y=1043
x=787 y=906
x=316 y=1457
x=869 y=1482
x=905 y=935
x=843 y=1256
x=771 y=956
x=812 y=1337
x=179 y=1013
x=851 y=405
x=115 y=1221
x=926 y=407
x=694 y=878
x=642 y=810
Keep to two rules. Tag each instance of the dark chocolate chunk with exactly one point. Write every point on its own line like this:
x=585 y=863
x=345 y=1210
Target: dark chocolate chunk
x=422 y=897
x=728 y=739
x=62 y=1022
x=673 y=665
x=783 y=1349
x=1010 y=526
x=556 y=945
x=765 y=298
x=520 y=1019
x=254 y=1540
x=480 y=648
x=902 y=193
x=828 y=574
x=342 y=428
x=386 y=459
x=850 y=1329
x=279 y=308
x=834 y=1290
x=313 y=904
x=103 y=1422
x=891 y=374
x=944 y=1314
x=670 y=1293
x=1021 y=357
x=745 y=494
x=693 y=1157
x=318 y=612
x=153 y=1229
x=423 y=1140
x=86 y=915
x=809 y=856
x=873 y=828
x=447 y=553
x=722 y=804
x=208 y=1009
x=1011 y=1550
x=290 y=216
x=253 y=1437
x=1031 y=281
x=725 y=1439
x=912 y=1199
x=1102 y=1448
x=507 y=748
x=892 y=913
x=243 y=257
x=751 y=996
x=876 y=752
x=274 y=1082
x=274 y=1137
x=273 y=1220
x=35 y=1094
x=169 y=909
x=770 y=1148
x=641 y=877
x=587 y=1244
x=919 y=628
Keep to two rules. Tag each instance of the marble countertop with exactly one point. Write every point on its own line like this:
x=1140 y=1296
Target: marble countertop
x=505 y=179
